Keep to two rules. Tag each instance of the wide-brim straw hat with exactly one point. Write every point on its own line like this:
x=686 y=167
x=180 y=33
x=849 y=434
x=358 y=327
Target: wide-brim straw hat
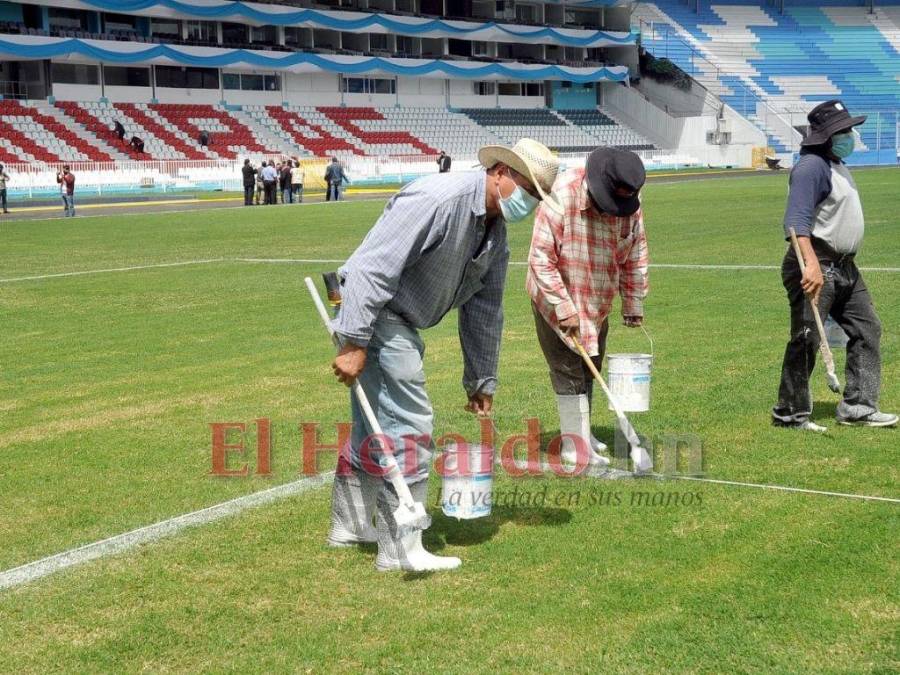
x=530 y=158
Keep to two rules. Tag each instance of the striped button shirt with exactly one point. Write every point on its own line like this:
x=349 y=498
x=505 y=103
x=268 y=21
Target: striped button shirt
x=432 y=250
x=580 y=259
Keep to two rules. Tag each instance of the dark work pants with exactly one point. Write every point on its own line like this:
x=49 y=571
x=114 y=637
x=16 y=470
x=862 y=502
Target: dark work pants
x=248 y=194
x=3 y=200
x=846 y=298
x=569 y=374
x=270 y=191
x=335 y=188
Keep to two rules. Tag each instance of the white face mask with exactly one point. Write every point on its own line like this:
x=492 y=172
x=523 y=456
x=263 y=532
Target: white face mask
x=518 y=205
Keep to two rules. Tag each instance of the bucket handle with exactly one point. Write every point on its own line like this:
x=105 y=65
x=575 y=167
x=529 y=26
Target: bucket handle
x=647 y=335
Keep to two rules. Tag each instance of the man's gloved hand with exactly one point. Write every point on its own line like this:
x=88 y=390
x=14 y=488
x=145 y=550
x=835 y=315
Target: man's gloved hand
x=481 y=404
x=633 y=321
x=349 y=363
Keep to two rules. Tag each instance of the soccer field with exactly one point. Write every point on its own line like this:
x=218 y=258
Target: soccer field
x=125 y=337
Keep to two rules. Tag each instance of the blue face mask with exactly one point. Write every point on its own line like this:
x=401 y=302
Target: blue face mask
x=842 y=144
x=518 y=205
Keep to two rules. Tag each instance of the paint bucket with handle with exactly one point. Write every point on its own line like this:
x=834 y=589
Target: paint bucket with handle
x=629 y=378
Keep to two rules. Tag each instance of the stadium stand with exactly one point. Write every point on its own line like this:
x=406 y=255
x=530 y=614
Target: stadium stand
x=810 y=53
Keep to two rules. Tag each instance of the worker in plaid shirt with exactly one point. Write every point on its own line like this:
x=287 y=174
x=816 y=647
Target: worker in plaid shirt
x=579 y=260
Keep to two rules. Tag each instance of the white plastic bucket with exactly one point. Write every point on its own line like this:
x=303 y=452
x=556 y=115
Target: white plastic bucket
x=629 y=380
x=466 y=489
x=837 y=338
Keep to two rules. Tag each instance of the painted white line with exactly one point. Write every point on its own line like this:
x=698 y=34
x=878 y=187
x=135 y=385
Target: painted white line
x=338 y=261
x=785 y=488
x=151 y=533
x=113 y=269
x=292 y=260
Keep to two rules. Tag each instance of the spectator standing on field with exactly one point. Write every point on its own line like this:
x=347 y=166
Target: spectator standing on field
x=66 y=180
x=285 y=181
x=249 y=174
x=3 y=178
x=270 y=179
x=297 y=176
x=443 y=162
x=334 y=177
x=260 y=186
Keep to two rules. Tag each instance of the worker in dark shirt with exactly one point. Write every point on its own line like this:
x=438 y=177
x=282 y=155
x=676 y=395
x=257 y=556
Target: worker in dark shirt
x=137 y=143
x=825 y=211
x=120 y=130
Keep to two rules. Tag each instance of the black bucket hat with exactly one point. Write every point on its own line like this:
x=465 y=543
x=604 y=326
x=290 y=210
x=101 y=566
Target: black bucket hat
x=608 y=169
x=828 y=119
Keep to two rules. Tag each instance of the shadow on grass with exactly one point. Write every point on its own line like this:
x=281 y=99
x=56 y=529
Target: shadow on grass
x=445 y=530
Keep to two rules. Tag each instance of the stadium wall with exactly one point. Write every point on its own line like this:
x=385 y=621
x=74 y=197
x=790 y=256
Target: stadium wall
x=686 y=135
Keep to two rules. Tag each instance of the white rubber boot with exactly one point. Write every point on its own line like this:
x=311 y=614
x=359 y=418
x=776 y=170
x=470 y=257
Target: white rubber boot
x=353 y=509
x=404 y=551
x=575 y=420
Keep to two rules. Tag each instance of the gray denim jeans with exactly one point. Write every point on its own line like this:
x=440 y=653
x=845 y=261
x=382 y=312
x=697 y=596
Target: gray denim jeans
x=846 y=298
x=394 y=382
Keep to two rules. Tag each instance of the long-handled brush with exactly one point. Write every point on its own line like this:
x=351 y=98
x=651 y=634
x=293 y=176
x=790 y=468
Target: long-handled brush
x=410 y=515
x=643 y=463
x=833 y=382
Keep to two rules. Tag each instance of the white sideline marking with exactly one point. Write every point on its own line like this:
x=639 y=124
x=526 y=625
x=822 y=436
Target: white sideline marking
x=113 y=269
x=785 y=488
x=151 y=533
x=338 y=261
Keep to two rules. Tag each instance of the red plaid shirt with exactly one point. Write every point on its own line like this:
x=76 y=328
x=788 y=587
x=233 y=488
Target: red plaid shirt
x=579 y=260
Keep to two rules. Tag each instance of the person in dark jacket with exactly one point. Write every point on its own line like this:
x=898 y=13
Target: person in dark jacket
x=284 y=181
x=334 y=177
x=120 y=130
x=249 y=174
x=443 y=162
x=204 y=138
x=137 y=143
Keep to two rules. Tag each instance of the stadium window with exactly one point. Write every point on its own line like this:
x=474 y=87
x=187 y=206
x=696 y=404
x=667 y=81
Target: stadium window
x=377 y=41
x=168 y=29
x=406 y=45
x=251 y=82
x=175 y=77
x=234 y=34
x=266 y=35
x=484 y=88
x=201 y=31
x=272 y=82
x=525 y=13
x=509 y=89
x=479 y=48
x=112 y=22
x=231 y=81
x=67 y=19
x=534 y=89
x=117 y=76
x=354 y=85
x=74 y=73
x=382 y=87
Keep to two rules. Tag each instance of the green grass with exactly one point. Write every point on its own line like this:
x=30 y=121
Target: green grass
x=108 y=383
